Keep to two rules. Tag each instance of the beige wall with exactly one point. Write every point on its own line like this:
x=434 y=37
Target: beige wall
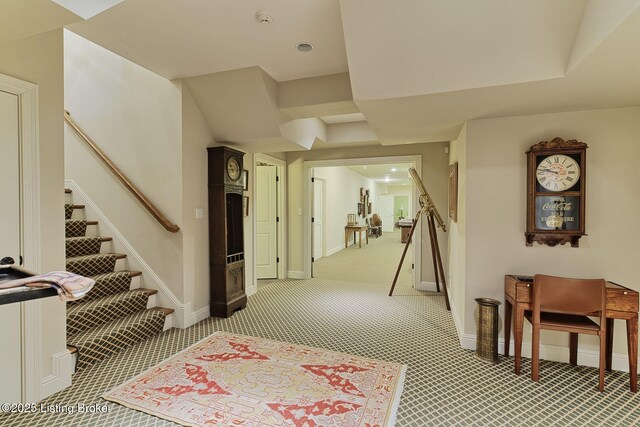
x=495 y=205
x=196 y=137
x=135 y=117
x=434 y=175
x=38 y=60
x=457 y=233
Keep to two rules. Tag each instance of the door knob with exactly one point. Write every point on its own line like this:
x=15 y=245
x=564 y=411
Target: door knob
x=7 y=261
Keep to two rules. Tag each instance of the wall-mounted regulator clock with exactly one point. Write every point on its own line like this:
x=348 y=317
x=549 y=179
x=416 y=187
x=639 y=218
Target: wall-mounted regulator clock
x=556 y=172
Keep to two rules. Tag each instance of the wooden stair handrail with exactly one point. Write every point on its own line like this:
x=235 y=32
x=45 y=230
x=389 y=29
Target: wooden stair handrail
x=153 y=210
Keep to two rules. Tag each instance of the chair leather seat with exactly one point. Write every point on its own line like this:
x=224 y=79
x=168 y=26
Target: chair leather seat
x=552 y=320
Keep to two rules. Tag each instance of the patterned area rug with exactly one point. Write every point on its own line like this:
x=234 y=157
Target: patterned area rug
x=235 y=380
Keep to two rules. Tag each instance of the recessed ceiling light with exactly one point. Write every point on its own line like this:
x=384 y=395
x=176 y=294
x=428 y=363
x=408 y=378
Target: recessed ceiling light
x=386 y=179
x=393 y=169
x=304 y=47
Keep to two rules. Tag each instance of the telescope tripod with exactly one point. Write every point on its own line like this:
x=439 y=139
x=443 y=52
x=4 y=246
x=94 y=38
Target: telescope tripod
x=435 y=253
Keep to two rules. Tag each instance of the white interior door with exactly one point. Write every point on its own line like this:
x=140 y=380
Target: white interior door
x=9 y=177
x=318 y=220
x=10 y=332
x=385 y=210
x=266 y=222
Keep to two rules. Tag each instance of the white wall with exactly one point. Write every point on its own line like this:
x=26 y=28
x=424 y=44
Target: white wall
x=496 y=206
x=38 y=60
x=135 y=117
x=342 y=189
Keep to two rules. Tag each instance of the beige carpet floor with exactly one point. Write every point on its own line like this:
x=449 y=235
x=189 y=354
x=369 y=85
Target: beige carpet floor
x=444 y=386
x=375 y=262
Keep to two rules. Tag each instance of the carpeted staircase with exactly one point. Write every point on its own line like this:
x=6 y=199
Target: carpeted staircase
x=112 y=316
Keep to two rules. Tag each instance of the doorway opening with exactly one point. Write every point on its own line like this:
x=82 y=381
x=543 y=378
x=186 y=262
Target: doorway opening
x=345 y=200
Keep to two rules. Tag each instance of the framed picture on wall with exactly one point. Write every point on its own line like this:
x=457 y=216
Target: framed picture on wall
x=360 y=209
x=453 y=192
x=369 y=208
x=245 y=180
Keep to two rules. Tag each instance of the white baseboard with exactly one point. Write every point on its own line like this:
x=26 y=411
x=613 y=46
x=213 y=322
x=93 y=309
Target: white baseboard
x=200 y=314
x=457 y=321
x=586 y=356
x=251 y=290
x=427 y=286
x=60 y=378
x=296 y=275
x=335 y=250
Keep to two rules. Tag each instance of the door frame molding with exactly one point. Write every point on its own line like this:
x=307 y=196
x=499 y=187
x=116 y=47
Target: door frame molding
x=307 y=174
x=324 y=217
x=282 y=226
x=28 y=150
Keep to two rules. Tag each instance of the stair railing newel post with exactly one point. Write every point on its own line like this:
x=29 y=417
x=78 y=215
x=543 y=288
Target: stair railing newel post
x=153 y=210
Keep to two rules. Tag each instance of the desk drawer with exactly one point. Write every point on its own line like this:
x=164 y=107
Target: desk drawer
x=622 y=299
x=524 y=292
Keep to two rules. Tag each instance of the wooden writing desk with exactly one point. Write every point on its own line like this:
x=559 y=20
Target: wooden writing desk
x=355 y=228
x=621 y=303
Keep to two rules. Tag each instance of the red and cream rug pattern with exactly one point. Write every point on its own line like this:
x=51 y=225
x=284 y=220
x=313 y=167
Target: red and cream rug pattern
x=236 y=380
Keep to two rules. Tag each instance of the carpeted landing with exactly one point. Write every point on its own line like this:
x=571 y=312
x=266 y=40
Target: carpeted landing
x=444 y=386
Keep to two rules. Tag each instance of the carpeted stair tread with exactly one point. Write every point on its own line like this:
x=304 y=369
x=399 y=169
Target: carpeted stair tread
x=77 y=227
x=91 y=314
x=91 y=265
x=81 y=246
x=109 y=338
x=166 y=311
x=107 y=284
x=111 y=316
x=69 y=208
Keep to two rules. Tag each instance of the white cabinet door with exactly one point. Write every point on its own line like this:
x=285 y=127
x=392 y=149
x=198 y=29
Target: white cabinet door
x=11 y=354
x=10 y=321
x=9 y=177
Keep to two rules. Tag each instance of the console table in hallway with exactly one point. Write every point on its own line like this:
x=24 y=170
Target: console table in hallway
x=355 y=228
x=621 y=303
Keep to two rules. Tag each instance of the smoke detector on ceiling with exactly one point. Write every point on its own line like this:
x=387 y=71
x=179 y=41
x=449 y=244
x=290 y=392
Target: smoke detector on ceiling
x=263 y=17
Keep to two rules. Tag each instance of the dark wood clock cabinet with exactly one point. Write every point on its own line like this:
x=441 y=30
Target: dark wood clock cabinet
x=226 y=234
x=556 y=184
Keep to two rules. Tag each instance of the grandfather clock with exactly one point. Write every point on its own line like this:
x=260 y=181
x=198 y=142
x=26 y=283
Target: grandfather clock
x=226 y=237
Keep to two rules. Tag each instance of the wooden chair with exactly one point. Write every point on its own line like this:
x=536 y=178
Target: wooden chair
x=375 y=226
x=562 y=304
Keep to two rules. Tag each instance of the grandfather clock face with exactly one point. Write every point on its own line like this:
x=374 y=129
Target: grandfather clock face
x=233 y=169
